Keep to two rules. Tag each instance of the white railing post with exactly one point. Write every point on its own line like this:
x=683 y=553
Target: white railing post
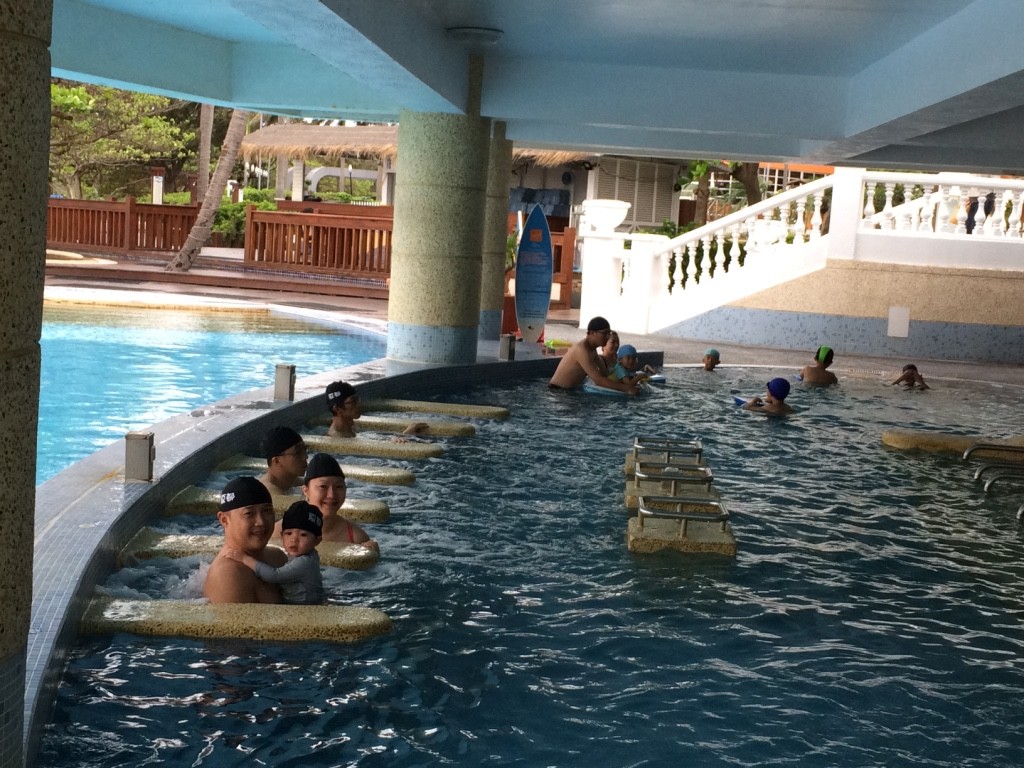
x=691 y=265
x=946 y=210
x=1013 y=226
x=799 y=227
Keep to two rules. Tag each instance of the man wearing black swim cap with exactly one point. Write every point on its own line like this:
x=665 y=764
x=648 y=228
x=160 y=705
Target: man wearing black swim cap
x=582 y=361
x=247 y=516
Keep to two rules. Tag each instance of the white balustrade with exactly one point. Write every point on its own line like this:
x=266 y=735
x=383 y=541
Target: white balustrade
x=781 y=238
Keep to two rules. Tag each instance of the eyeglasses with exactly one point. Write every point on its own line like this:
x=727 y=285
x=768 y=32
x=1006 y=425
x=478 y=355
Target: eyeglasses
x=297 y=451
x=353 y=400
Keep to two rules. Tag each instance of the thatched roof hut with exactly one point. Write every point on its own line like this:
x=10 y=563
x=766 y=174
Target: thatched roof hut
x=372 y=142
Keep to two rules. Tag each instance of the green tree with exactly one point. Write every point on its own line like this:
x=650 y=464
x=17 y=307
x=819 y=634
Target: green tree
x=102 y=140
x=745 y=174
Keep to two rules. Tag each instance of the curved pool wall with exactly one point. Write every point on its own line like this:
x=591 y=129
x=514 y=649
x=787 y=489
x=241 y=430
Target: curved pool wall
x=88 y=513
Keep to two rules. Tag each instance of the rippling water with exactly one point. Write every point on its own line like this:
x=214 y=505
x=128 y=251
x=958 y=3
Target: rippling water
x=872 y=615
x=107 y=371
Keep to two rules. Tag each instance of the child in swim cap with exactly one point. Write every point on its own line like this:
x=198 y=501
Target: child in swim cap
x=711 y=358
x=628 y=368
x=774 y=401
x=816 y=375
x=911 y=377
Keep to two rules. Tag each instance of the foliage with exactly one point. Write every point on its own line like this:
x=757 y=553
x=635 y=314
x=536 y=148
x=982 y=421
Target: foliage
x=511 y=248
x=229 y=220
x=254 y=195
x=102 y=140
x=170 y=198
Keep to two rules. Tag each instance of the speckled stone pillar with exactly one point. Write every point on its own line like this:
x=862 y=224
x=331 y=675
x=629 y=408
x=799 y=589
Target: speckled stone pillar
x=492 y=276
x=434 y=303
x=24 y=154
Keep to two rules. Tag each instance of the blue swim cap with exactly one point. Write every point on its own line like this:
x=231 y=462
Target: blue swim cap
x=779 y=388
x=626 y=350
x=712 y=352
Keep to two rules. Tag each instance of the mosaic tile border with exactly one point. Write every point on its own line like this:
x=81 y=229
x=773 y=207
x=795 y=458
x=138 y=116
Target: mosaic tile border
x=855 y=335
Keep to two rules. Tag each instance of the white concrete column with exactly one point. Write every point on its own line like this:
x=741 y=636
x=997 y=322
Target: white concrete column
x=24 y=155
x=298 y=181
x=280 y=176
x=845 y=211
x=492 y=276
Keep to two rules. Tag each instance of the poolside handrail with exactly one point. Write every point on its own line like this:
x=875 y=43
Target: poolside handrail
x=992 y=447
x=720 y=515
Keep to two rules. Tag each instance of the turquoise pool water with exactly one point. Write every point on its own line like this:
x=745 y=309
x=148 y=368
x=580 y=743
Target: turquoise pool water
x=872 y=615
x=107 y=371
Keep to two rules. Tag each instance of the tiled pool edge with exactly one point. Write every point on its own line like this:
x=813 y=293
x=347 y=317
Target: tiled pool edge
x=86 y=514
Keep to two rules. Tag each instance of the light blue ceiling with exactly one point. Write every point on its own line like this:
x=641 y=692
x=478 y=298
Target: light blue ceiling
x=841 y=81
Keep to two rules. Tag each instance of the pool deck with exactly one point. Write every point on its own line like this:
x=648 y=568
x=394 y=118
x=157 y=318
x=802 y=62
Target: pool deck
x=226 y=283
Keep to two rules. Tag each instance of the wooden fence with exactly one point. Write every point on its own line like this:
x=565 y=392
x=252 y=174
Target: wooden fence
x=350 y=246
x=123 y=227
x=335 y=239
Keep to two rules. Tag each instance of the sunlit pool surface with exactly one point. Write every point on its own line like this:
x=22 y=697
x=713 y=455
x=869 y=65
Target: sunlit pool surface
x=107 y=371
x=872 y=616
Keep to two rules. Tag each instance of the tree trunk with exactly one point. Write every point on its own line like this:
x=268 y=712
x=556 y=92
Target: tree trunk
x=204 y=221
x=701 y=196
x=205 y=139
x=747 y=175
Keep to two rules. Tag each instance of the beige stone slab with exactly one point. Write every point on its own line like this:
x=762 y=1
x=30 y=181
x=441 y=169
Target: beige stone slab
x=434 y=428
x=939 y=442
x=696 y=491
x=184 y=618
x=357 y=446
x=658 y=534
x=204 y=501
x=360 y=472
x=148 y=544
x=467 y=410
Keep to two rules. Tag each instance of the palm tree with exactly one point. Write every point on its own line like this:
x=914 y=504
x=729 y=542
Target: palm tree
x=200 y=232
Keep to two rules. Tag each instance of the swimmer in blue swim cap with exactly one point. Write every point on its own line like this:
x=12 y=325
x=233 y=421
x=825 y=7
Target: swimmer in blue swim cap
x=774 y=401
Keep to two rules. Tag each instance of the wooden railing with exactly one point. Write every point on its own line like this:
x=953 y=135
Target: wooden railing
x=362 y=210
x=101 y=226
x=334 y=239
x=350 y=246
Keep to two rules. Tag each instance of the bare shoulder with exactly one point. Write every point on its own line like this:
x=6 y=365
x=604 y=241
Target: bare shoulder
x=229 y=581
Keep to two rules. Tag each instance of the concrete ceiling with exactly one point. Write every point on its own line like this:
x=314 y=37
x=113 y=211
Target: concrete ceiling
x=930 y=84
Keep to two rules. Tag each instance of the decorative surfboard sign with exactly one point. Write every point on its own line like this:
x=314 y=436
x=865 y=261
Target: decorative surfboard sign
x=534 y=265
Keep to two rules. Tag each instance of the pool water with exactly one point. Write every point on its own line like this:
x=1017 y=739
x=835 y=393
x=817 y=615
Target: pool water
x=108 y=371
x=872 y=615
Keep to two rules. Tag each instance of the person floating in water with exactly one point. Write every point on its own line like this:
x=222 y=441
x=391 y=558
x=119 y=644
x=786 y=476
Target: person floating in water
x=247 y=516
x=286 y=460
x=628 y=369
x=343 y=403
x=911 y=377
x=711 y=358
x=300 y=579
x=582 y=361
x=325 y=489
x=816 y=374
x=610 y=351
x=774 y=401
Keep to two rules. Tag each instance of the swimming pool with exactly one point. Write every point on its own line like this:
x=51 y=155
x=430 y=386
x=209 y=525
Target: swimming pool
x=871 y=617
x=110 y=370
